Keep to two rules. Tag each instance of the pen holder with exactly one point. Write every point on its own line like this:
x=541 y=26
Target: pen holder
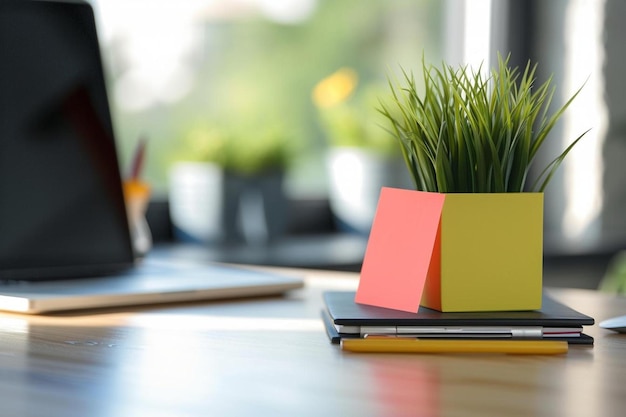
x=137 y=196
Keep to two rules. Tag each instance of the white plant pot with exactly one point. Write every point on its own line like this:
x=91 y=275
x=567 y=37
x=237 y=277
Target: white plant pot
x=356 y=176
x=208 y=205
x=196 y=201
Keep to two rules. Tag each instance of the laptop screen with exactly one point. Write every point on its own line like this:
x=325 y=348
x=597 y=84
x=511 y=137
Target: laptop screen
x=62 y=210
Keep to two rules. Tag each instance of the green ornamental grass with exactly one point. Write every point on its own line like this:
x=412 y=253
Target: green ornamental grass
x=474 y=134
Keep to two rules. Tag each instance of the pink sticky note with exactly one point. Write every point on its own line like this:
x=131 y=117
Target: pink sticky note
x=400 y=249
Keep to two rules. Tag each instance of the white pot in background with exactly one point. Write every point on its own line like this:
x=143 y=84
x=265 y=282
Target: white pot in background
x=208 y=205
x=196 y=201
x=356 y=176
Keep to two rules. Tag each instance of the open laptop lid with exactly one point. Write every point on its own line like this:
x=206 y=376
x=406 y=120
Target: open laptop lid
x=62 y=210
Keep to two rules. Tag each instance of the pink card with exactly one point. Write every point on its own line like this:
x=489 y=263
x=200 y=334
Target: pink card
x=400 y=249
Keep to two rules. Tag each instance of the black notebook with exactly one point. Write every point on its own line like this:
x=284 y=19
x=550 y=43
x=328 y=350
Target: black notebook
x=554 y=321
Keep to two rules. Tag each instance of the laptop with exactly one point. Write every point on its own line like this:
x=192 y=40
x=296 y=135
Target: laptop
x=344 y=318
x=64 y=234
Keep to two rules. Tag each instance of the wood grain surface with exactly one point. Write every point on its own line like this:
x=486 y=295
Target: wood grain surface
x=270 y=357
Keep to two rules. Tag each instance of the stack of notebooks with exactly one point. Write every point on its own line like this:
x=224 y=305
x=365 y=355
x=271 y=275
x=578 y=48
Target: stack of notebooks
x=345 y=319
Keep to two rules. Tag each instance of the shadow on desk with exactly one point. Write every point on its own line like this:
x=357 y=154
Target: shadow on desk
x=341 y=252
x=313 y=240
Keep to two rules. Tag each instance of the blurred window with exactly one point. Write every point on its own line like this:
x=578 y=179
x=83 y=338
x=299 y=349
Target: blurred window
x=184 y=72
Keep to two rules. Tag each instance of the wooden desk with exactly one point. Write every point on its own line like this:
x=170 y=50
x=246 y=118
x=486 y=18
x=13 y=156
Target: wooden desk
x=271 y=357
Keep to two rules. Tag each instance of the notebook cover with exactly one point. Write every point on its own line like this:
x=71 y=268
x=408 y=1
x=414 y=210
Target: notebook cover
x=344 y=311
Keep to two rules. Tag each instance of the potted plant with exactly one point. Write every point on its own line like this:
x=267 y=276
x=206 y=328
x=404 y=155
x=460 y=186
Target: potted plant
x=361 y=158
x=227 y=187
x=474 y=223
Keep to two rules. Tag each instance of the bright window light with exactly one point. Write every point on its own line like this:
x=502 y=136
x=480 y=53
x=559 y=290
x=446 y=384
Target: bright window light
x=583 y=166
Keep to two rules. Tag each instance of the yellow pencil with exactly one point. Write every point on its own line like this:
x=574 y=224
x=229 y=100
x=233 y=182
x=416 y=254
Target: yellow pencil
x=405 y=345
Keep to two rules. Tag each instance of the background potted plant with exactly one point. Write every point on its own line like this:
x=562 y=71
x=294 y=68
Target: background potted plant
x=361 y=157
x=469 y=142
x=227 y=185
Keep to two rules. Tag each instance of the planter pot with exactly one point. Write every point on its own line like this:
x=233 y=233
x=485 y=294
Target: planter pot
x=356 y=176
x=209 y=205
x=197 y=206
x=258 y=208
x=455 y=252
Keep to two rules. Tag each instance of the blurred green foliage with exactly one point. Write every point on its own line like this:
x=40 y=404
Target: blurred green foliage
x=614 y=280
x=242 y=151
x=355 y=123
x=261 y=73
